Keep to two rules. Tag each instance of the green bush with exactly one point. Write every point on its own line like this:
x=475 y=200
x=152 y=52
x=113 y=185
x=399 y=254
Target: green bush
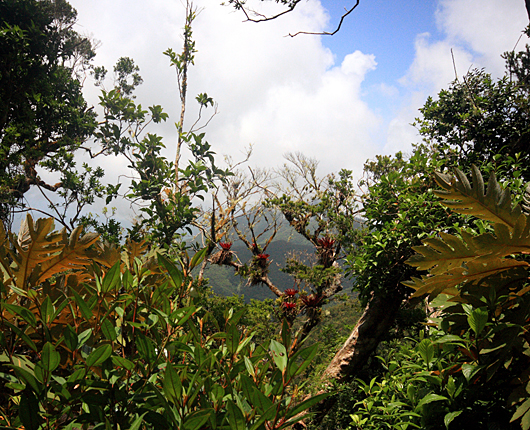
x=85 y=345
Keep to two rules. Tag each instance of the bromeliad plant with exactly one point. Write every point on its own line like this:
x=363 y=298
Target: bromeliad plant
x=91 y=345
x=485 y=276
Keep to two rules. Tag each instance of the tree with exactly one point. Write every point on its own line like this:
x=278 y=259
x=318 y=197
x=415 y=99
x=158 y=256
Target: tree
x=485 y=276
x=473 y=121
x=43 y=115
x=479 y=118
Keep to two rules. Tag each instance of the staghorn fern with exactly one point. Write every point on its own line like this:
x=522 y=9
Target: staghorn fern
x=483 y=273
x=453 y=260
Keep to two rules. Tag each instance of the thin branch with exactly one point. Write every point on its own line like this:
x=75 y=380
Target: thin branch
x=263 y=17
x=327 y=33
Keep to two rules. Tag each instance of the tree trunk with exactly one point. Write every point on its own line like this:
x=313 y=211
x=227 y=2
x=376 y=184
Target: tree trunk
x=371 y=328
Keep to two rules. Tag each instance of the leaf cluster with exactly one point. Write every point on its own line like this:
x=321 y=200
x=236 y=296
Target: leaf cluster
x=89 y=344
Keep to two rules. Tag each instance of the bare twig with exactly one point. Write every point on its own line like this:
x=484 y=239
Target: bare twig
x=327 y=33
x=254 y=16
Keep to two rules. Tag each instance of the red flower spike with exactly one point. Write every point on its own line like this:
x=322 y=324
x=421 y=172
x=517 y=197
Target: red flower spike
x=326 y=242
x=225 y=245
x=263 y=256
x=290 y=292
x=311 y=301
x=289 y=306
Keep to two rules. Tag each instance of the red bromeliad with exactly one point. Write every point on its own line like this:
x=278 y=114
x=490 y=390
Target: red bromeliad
x=311 y=301
x=326 y=242
x=290 y=292
x=289 y=306
x=225 y=245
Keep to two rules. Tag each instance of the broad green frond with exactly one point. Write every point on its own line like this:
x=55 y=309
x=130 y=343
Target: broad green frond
x=72 y=257
x=456 y=260
x=37 y=245
x=473 y=271
x=495 y=205
x=442 y=254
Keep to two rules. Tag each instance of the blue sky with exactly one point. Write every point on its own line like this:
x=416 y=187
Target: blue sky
x=384 y=28
x=340 y=99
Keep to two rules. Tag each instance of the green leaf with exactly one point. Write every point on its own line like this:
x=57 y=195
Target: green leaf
x=122 y=362
x=22 y=335
x=426 y=350
x=83 y=307
x=477 y=320
x=196 y=420
x=24 y=313
x=236 y=419
x=525 y=422
x=249 y=366
x=306 y=355
x=112 y=278
x=28 y=378
x=232 y=338
x=46 y=310
x=521 y=410
x=172 y=383
x=260 y=401
x=197 y=258
x=304 y=406
x=70 y=337
x=429 y=398
x=470 y=370
x=99 y=355
x=145 y=347
x=28 y=411
x=138 y=422
x=50 y=358
x=450 y=417
x=83 y=337
x=279 y=354
x=108 y=330
x=175 y=274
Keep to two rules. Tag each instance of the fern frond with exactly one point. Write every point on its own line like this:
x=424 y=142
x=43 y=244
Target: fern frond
x=38 y=245
x=495 y=205
x=526 y=200
x=73 y=256
x=473 y=271
x=443 y=254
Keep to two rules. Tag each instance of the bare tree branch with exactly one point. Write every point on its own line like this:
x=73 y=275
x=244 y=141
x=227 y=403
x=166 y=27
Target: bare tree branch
x=327 y=33
x=254 y=16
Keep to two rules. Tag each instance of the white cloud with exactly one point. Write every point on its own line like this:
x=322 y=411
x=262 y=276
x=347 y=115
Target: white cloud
x=278 y=93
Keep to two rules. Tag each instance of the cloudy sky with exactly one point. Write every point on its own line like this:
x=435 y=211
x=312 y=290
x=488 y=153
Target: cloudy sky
x=340 y=99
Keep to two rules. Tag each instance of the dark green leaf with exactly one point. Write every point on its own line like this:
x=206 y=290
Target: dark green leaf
x=50 y=358
x=99 y=355
x=236 y=419
x=112 y=278
x=28 y=411
x=172 y=384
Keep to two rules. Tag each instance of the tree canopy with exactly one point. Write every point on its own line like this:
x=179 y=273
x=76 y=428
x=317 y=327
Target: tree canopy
x=43 y=115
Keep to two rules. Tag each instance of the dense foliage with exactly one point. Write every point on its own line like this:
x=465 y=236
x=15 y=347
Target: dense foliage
x=43 y=115
x=106 y=334
x=89 y=341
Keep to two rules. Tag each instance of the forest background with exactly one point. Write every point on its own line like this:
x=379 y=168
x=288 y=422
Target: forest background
x=92 y=336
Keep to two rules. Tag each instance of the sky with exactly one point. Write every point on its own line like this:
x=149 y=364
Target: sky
x=341 y=99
